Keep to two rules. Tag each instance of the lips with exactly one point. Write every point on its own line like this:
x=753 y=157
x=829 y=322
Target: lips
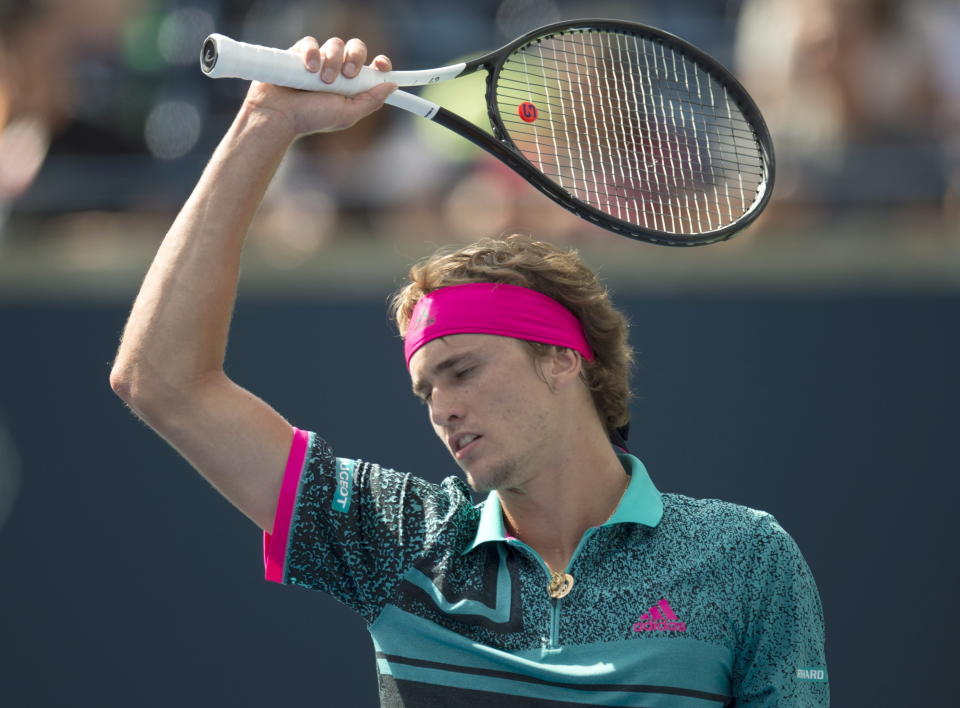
x=462 y=442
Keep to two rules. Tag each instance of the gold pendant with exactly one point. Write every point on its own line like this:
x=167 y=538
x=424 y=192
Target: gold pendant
x=560 y=585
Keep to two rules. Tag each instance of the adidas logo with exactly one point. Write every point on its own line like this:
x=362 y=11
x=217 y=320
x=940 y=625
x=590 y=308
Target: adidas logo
x=660 y=618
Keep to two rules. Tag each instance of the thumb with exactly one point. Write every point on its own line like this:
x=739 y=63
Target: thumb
x=369 y=101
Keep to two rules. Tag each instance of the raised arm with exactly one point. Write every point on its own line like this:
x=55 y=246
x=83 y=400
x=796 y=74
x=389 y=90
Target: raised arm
x=169 y=367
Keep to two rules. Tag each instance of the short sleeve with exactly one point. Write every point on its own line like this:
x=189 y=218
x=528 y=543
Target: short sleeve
x=352 y=528
x=781 y=659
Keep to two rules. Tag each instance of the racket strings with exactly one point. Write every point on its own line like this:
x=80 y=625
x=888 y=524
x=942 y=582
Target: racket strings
x=634 y=129
x=737 y=129
x=667 y=88
x=671 y=177
x=732 y=134
x=736 y=156
x=603 y=194
x=656 y=207
x=599 y=178
x=562 y=160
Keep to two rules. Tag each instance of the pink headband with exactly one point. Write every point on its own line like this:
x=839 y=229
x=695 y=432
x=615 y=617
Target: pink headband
x=493 y=308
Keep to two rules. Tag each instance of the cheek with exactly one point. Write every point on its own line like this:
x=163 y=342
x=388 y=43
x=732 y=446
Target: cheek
x=519 y=406
x=438 y=429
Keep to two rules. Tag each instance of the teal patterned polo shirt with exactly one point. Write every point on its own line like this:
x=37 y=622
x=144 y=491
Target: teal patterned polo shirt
x=676 y=602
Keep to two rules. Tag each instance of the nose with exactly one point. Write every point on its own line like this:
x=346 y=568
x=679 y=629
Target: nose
x=445 y=409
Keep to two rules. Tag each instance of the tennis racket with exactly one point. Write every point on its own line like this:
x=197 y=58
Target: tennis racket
x=627 y=126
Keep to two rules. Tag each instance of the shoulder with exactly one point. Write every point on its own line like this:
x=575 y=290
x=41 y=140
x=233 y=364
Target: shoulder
x=679 y=508
x=717 y=522
x=747 y=547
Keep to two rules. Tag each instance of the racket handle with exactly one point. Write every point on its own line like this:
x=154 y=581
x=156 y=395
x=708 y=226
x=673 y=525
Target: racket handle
x=223 y=57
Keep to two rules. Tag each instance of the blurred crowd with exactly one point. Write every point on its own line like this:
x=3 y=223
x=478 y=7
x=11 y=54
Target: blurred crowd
x=863 y=98
x=104 y=114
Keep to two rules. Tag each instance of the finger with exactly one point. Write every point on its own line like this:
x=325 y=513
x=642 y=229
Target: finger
x=331 y=58
x=310 y=49
x=354 y=56
x=382 y=63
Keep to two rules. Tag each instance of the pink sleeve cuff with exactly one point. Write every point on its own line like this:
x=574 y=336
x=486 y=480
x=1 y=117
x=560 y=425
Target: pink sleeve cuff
x=275 y=544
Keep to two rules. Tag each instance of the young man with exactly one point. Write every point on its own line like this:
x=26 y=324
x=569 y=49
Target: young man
x=575 y=582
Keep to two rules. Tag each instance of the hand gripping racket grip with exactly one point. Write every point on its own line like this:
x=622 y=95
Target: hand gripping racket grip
x=223 y=57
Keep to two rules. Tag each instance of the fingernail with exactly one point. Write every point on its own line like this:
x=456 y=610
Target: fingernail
x=313 y=64
x=349 y=68
x=329 y=75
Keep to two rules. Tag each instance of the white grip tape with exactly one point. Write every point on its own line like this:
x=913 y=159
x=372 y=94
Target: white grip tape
x=416 y=105
x=283 y=67
x=239 y=60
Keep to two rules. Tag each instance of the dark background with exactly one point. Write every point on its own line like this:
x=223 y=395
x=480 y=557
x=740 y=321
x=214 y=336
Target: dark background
x=125 y=580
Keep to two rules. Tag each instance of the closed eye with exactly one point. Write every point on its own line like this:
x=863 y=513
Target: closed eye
x=447 y=368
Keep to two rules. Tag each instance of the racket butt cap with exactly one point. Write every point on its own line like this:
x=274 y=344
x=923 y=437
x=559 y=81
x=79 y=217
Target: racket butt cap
x=209 y=54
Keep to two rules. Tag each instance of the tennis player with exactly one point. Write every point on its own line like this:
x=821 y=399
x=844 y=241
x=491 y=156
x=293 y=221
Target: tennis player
x=575 y=582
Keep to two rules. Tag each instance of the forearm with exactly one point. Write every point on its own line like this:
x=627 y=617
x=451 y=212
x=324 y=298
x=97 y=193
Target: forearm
x=177 y=332
x=169 y=367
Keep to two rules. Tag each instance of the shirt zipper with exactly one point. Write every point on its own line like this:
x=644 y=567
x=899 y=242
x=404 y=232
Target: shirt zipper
x=555 y=602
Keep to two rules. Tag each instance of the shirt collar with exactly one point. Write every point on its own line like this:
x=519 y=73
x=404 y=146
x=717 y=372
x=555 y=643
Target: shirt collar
x=641 y=504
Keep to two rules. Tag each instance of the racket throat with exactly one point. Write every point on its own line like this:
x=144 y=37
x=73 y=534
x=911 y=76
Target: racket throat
x=475 y=135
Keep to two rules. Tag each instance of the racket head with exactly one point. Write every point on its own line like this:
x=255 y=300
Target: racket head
x=632 y=128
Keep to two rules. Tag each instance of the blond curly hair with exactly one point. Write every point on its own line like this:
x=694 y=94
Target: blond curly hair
x=557 y=273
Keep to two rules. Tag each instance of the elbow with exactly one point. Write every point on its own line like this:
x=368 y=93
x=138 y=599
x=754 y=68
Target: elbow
x=120 y=383
x=125 y=384
x=131 y=386
x=151 y=395
x=139 y=399
x=142 y=400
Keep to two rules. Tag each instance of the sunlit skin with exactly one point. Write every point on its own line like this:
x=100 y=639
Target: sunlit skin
x=487 y=386
x=539 y=441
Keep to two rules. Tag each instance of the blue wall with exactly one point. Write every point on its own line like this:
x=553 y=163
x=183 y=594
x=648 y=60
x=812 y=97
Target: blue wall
x=126 y=581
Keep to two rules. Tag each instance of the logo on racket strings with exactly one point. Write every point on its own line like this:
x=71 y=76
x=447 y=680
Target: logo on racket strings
x=528 y=112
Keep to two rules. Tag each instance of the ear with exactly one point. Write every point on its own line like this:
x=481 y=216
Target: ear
x=562 y=368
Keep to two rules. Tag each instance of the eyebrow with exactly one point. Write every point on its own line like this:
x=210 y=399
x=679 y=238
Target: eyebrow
x=421 y=388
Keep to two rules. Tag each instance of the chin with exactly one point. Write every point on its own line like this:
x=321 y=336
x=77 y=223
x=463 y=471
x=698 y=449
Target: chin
x=477 y=485
x=484 y=481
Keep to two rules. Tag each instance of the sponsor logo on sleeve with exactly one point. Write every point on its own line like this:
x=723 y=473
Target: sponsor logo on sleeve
x=343 y=489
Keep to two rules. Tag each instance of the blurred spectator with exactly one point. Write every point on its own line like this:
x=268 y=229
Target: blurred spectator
x=941 y=19
x=380 y=178
x=850 y=90
x=34 y=92
x=44 y=46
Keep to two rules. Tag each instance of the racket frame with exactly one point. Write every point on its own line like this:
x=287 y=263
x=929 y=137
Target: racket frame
x=494 y=63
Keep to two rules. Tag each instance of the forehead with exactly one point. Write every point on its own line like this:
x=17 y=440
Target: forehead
x=440 y=351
